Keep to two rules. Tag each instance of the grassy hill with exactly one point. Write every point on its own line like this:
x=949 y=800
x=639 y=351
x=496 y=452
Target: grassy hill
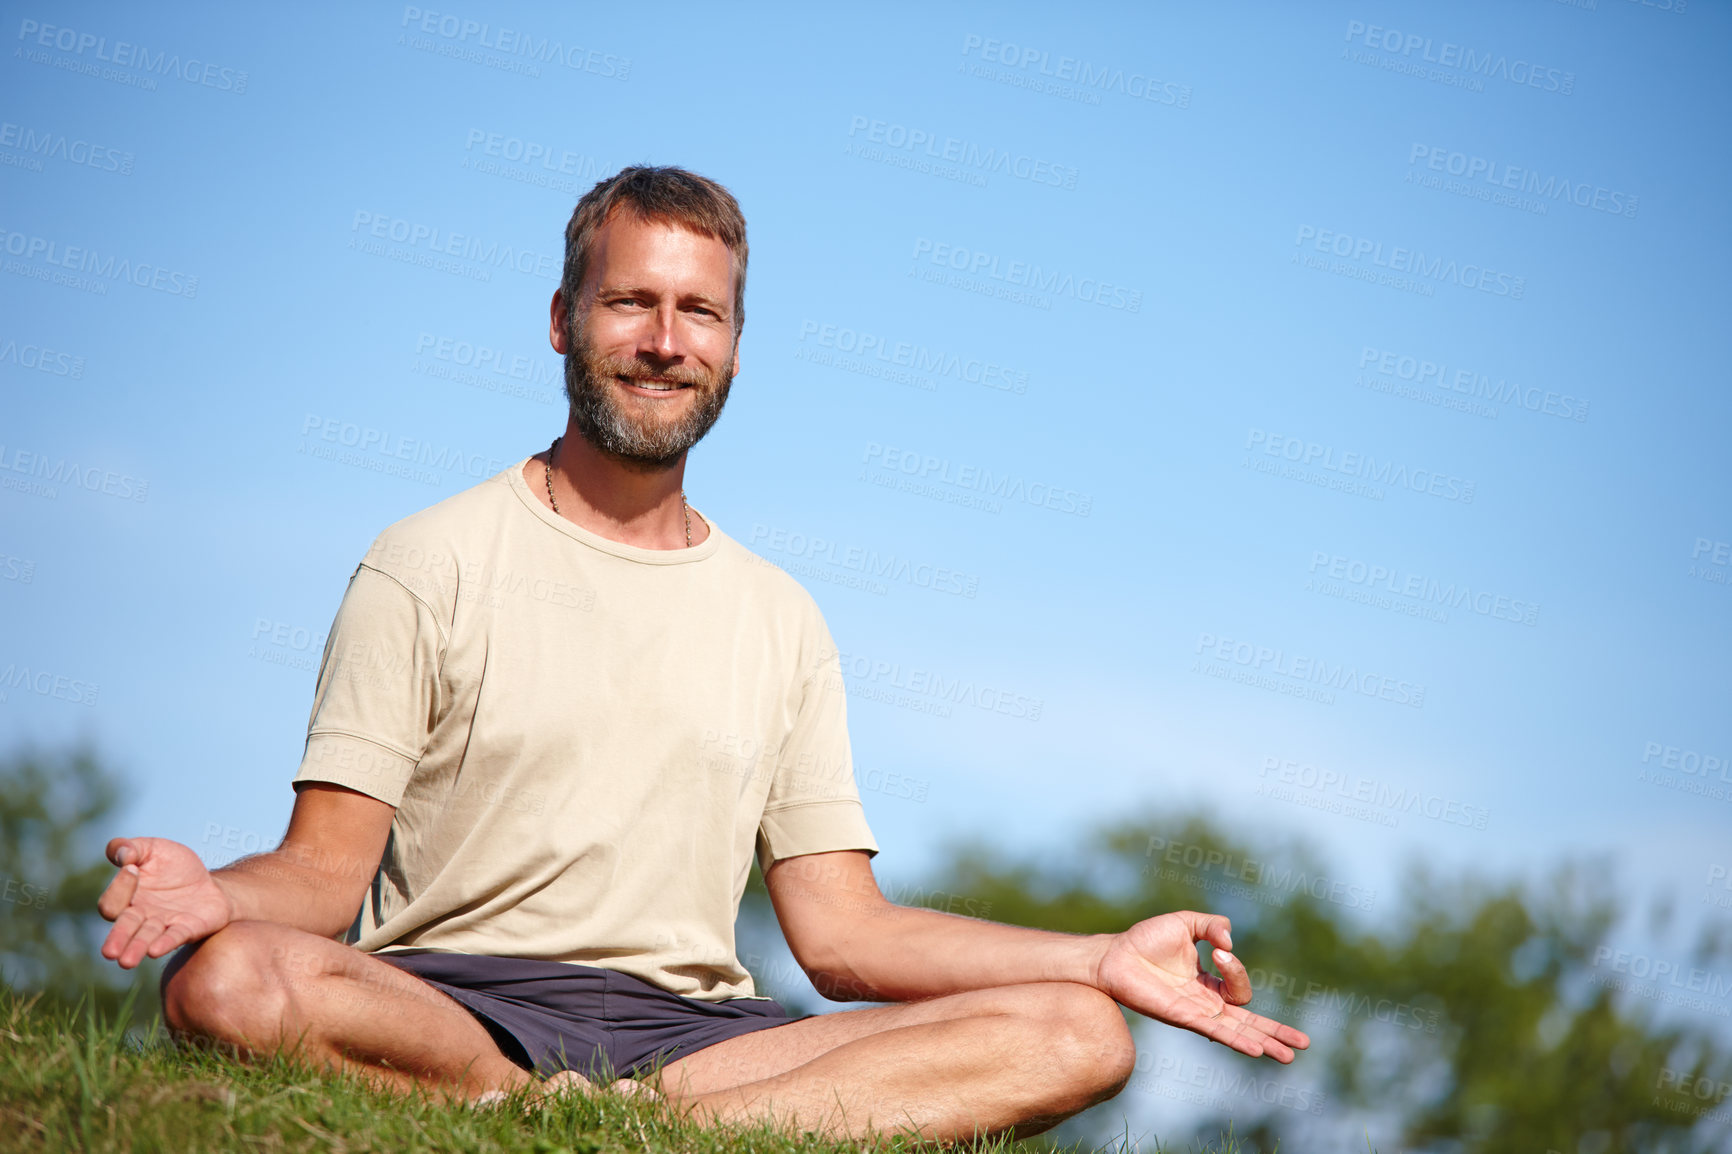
x=71 y=1083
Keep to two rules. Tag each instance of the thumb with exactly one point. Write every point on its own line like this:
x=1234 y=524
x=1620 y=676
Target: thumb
x=123 y=851
x=1215 y=929
x=1235 y=982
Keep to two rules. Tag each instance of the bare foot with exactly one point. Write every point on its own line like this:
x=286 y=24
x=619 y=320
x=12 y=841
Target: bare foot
x=632 y=1088
x=565 y=1082
x=570 y=1081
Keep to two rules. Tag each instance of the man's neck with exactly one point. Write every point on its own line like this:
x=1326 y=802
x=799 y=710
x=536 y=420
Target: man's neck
x=613 y=499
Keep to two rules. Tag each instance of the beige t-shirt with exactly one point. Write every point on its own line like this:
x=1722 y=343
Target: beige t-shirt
x=585 y=741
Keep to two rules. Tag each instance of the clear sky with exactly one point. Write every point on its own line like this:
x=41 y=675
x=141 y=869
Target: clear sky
x=1279 y=408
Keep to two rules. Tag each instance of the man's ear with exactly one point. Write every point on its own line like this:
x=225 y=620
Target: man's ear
x=557 y=322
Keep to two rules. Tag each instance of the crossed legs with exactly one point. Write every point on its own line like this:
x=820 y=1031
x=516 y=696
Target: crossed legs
x=1013 y=1058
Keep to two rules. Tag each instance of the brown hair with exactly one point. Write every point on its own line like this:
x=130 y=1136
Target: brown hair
x=666 y=195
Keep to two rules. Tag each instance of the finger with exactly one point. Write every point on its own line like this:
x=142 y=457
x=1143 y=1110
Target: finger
x=1215 y=929
x=118 y=895
x=1235 y=982
x=170 y=939
x=135 y=949
x=122 y=851
x=1271 y=1048
x=1204 y=1013
x=125 y=926
x=1234 y=1034
x=1279 y=1040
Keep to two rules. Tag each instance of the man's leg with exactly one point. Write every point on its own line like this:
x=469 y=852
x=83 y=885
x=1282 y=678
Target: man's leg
x=1021 y=1058
x=265 y=989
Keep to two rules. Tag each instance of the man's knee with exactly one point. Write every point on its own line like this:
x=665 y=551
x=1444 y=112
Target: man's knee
x=224 y=987
x=1086 y=1038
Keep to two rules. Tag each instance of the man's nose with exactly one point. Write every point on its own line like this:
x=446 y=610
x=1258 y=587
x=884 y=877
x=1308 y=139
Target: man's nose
x=662 y=340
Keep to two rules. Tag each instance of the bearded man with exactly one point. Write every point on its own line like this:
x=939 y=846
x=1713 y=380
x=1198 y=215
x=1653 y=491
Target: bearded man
x=557 y=717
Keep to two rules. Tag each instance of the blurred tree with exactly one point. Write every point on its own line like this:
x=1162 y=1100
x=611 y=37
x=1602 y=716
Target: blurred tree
x=53 y=811
x=1458 y=1015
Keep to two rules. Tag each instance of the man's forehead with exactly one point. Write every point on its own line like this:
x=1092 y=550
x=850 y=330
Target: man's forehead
x=633 y=237
x=624 y=219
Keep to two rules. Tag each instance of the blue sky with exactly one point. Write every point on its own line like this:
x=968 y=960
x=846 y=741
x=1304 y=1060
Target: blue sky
x=1299 y=394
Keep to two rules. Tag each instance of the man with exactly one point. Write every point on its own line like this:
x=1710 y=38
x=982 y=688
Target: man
x=557 y=715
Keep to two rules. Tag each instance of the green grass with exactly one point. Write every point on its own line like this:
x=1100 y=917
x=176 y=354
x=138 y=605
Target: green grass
x=69 y=1082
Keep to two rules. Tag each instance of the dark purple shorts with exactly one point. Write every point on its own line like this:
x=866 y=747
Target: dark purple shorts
x=552 y=1016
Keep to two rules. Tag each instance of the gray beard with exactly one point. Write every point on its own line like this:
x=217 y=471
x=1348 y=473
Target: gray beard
x=645 y=444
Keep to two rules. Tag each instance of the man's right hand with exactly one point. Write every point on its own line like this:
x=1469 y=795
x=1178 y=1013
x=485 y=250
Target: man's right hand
x=162 y=898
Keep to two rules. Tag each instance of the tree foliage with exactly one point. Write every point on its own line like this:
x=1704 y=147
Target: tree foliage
x=1459 y=1014
x=53 y=813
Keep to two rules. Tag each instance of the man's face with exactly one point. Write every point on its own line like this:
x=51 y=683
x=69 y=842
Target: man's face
x=648 y=367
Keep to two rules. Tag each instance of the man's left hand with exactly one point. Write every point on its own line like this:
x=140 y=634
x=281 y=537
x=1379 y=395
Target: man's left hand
x=1154 y=969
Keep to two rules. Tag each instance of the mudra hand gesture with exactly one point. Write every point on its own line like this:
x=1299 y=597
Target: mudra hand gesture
x=1154 y=969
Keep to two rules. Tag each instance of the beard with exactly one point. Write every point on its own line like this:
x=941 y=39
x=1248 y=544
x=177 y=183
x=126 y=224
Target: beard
x=649 y=441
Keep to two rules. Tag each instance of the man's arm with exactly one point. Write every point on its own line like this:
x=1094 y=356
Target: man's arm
x=854 y=944
x=164 y=897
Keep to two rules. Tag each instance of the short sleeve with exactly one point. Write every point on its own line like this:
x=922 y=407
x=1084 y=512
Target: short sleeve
x=813 y=805
x=378 y=692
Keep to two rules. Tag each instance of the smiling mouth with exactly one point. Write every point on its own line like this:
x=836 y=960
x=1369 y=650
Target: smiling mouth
x=657 y=386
